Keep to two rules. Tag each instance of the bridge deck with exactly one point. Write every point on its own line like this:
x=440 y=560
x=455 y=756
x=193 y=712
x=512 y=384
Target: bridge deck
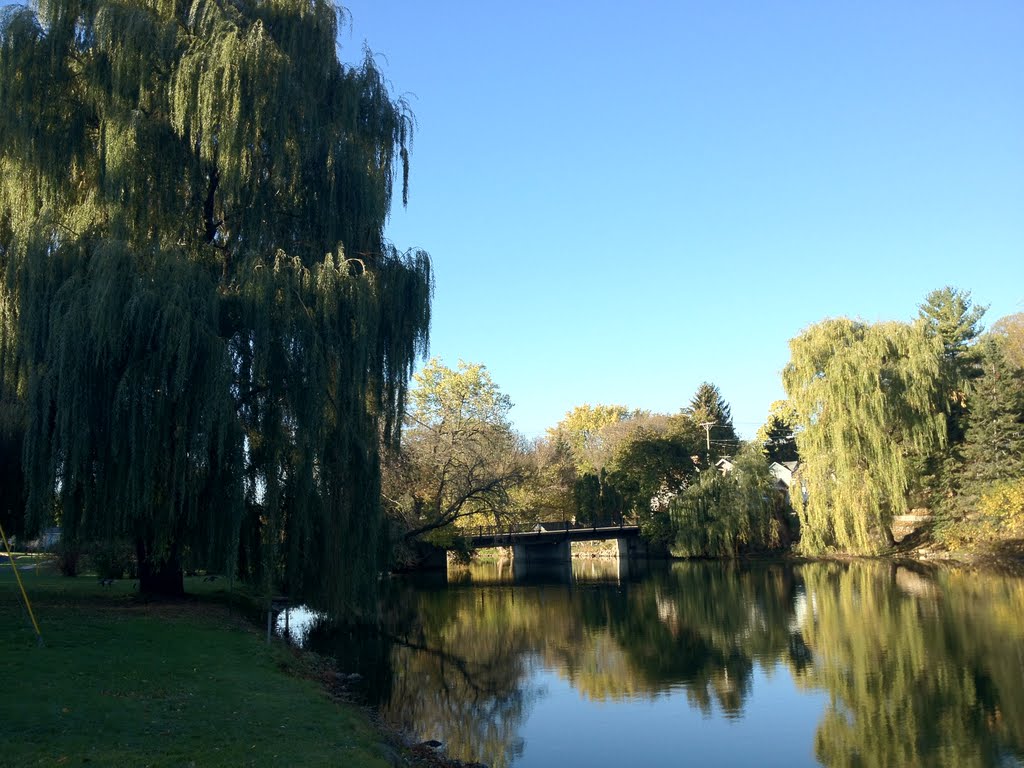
x=506 y=538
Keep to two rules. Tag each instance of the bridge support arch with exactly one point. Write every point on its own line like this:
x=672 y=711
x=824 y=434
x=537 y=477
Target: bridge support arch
x=542 y=552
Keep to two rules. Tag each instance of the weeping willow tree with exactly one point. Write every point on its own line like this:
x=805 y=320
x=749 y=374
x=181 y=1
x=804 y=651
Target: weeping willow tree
x=725 y=515
x=209 y=336
x=869 y=399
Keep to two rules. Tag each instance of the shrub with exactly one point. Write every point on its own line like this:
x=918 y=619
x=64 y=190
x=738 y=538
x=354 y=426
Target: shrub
x=113 y=559
x=1001 y=511
x=998 y=516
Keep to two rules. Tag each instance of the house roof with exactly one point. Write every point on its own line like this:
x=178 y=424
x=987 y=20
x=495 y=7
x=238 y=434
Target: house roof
x=783 y=471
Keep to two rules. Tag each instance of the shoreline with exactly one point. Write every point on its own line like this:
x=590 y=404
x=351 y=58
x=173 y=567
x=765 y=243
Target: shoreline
x=1010 y=561
x=77 y=616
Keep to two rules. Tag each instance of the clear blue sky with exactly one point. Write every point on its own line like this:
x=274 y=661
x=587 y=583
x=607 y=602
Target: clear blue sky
x=623 y=201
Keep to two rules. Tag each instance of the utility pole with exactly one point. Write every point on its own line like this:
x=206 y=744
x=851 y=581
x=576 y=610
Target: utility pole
x=707 y=434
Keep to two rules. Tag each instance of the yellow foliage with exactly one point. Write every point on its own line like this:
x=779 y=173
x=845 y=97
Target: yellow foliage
x=999 y=516
x=1001 y=510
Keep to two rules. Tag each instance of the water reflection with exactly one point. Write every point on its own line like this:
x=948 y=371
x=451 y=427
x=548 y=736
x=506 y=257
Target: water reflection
x=506 y=572
x=918 y=676
x=900 y=666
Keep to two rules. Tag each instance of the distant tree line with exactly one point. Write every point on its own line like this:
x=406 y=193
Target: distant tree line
x=880 y=419
x=462 y=466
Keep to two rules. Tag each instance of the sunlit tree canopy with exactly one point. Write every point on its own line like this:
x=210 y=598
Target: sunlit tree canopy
x=460 y=457
x=869 y=398
x=581 y=431
x=1010 y=330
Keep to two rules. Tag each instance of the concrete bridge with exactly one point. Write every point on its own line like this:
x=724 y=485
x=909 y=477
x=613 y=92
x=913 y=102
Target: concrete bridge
x=551 y=543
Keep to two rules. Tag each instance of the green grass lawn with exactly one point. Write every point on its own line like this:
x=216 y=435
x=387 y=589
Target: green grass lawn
x=120 y=682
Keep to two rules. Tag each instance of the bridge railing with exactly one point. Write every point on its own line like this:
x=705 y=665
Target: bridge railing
x=547 y=527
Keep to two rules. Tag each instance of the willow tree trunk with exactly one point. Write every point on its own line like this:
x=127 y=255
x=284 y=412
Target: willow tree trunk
x=161 y=577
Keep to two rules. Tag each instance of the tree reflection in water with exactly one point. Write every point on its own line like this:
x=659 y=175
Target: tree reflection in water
x=921 y=667
x=916 y=677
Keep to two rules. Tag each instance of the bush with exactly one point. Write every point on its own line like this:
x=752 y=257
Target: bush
x=1002 y=510
x=998 y=516
x=113 y=560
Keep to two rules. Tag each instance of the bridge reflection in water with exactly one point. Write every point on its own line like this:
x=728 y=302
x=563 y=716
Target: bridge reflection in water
x=594 y=570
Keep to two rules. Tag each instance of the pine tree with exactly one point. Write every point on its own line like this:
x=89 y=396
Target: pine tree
x=994 y=443
x=950 y=316
x=707 y=406
x=777 y=436
x=198 y=302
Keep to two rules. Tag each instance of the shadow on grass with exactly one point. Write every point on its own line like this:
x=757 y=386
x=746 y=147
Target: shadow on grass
x=123 y=680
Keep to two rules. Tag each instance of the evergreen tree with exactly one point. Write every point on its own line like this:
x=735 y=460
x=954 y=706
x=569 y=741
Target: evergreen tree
x=777 y=436
x=586 y=496
x=596 y=499
x=994 y=443
x=707 y=406
x=198 y=302
x=950 y=315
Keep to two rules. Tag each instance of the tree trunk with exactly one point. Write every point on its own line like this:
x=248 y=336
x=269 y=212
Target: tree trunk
x=163 y=578
x=887 y=536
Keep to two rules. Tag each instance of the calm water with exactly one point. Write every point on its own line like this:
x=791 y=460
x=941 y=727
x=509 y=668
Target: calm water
x=703 y=664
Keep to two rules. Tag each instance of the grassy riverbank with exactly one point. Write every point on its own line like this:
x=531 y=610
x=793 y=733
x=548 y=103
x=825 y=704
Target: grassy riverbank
x=123 y=682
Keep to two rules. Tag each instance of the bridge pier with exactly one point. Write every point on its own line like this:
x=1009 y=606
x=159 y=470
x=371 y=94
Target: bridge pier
x=560 y=551
x=631 y=550
x=636 y=549
x=543 y=560
x=627 y=548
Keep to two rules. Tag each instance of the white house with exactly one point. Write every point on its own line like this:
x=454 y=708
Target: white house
x=783 y=472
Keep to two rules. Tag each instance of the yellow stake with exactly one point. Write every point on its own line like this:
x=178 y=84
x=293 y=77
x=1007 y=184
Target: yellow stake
x=14 y=566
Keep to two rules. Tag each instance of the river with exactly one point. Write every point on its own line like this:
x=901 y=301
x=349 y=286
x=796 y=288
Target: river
x=766 y=664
